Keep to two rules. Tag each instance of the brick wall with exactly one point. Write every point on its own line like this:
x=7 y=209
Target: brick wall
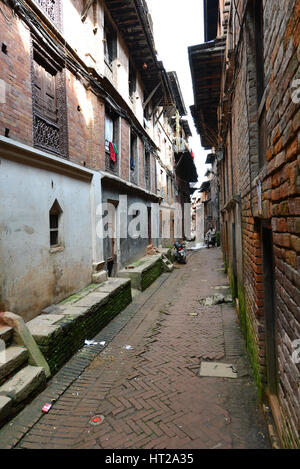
x=280 y=206
x=15 y=71
x=85 y=110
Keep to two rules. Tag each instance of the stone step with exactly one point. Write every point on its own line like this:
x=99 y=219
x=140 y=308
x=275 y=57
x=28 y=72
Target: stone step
x=6 y=334
x=11 y=359
x=5 y=408
x=167 y=263
x=26 y=382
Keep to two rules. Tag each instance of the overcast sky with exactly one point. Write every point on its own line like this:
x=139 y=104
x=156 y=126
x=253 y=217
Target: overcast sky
x=177 y=25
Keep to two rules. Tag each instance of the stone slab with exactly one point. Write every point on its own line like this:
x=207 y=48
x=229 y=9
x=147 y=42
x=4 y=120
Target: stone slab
x=5 y=408
x=6 y=333
x=113 y=286
x=23 y=336
x=143 y=264
x=14 y=356
x=217 y=370
x=24 y=383
x=93 y=300
x=99 y=277
x=44 y=327
x=139 y=269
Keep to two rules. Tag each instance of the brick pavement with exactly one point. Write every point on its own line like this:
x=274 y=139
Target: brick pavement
x=152 y=395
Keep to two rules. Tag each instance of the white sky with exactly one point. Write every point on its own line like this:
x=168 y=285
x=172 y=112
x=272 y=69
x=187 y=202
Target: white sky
x=178 y=24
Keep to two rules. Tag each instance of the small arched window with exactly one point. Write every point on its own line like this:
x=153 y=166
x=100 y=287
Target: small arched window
x=55 y=215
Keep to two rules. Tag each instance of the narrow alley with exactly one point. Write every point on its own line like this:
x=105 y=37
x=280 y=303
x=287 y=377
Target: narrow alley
x=151 y=394
x=150 y=225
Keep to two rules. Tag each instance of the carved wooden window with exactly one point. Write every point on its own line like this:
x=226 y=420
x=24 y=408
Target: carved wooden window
x=52 y=8
x=45 y=86
x=49 y=103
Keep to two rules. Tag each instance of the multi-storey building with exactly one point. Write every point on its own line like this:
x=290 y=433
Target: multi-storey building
x=246 y=82
x=85 y=113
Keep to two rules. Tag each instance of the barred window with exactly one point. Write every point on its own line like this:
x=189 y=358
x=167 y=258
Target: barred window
x=55 y=219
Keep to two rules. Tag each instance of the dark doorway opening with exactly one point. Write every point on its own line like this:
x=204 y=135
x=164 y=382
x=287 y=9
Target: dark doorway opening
x=149 y=226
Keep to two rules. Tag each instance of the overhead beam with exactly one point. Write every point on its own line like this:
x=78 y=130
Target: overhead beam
x=151 y=95
x=85 y=10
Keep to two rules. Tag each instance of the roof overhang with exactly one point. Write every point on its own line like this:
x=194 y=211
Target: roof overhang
x=186 y=127
x=134 y=23
x=185 y=167
x=210 y=158
x=206 y=67
x=177 y=93
x=205 y=186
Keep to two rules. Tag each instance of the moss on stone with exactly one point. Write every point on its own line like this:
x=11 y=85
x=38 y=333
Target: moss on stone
x=78 y=295
x=74 y=330
x=232 y=280
x=151 y=274
x=249 y=335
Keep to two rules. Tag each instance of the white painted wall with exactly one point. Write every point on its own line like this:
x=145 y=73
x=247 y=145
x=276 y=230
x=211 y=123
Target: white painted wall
x=31 y=276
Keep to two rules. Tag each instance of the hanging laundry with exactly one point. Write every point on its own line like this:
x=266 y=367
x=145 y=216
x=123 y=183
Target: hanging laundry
x=112 y=153
x=116 y=150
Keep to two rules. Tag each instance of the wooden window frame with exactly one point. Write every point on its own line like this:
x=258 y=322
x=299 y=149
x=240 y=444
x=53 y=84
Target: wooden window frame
x=132 y=81
x=50 y=132
x=55 y=227
x=109 y=42
x=115 y=118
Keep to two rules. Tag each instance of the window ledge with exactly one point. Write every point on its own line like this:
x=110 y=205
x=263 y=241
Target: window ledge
x=56 y=249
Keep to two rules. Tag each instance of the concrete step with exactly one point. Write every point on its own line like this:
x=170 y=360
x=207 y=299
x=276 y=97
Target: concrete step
x=5 y=408
x=11 y=359
x=25 y=383
x=6 y=334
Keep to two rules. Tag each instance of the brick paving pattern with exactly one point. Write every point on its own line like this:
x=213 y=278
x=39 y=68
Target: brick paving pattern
x=152 y=395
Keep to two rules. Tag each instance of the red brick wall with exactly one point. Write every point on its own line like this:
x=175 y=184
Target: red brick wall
x=15 y=70
x=280 y=177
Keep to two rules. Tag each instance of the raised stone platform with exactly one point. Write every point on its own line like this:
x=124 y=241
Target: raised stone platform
x=64 y=327
x=143 y=272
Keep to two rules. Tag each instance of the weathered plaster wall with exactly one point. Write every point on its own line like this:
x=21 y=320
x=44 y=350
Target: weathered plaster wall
x=127 y=249
x=32 y=277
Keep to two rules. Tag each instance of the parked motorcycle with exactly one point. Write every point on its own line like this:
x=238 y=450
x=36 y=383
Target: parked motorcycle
x=180 y=253
x=210 y=241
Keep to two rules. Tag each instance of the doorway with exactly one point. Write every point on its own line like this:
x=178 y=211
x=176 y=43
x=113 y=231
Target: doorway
x=149 y=226
x=112 y=248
